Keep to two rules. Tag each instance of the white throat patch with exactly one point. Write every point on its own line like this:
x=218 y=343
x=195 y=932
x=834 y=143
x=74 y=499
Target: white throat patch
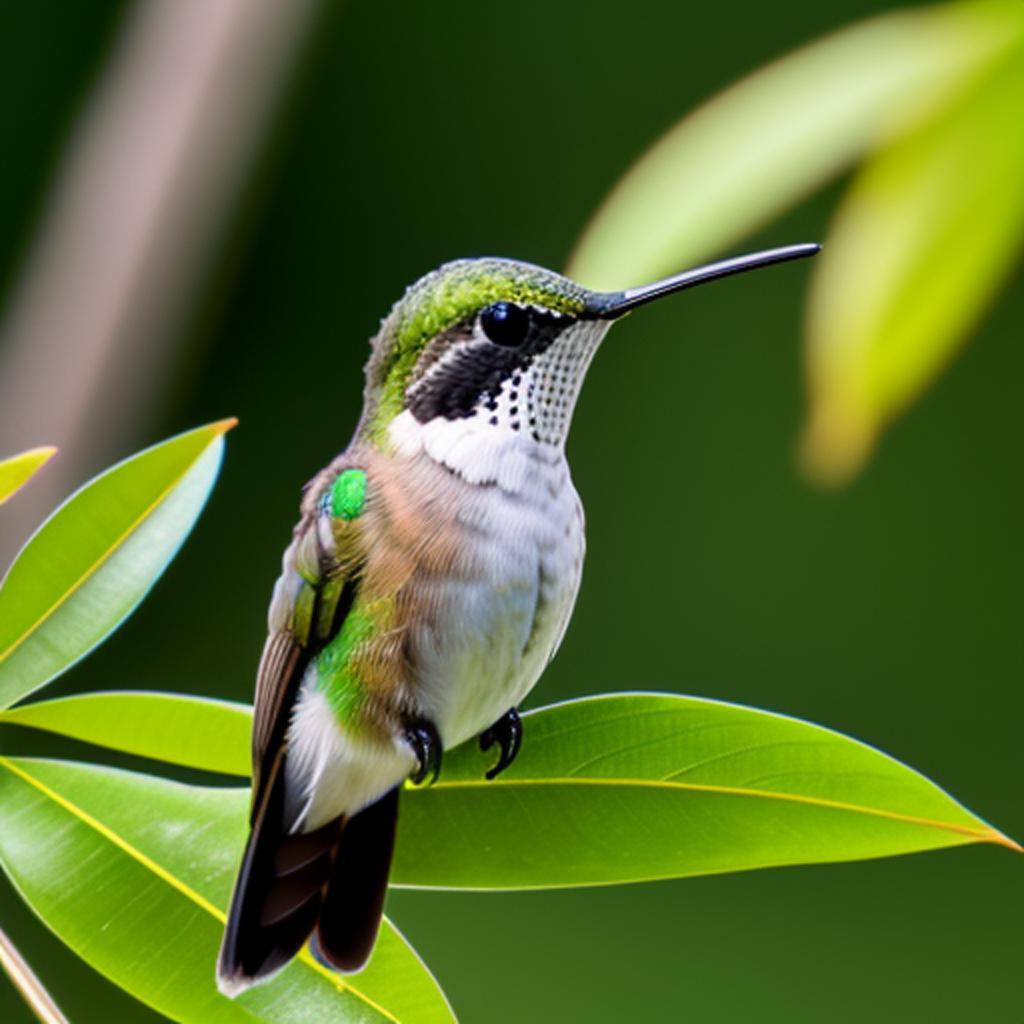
x=528 y=420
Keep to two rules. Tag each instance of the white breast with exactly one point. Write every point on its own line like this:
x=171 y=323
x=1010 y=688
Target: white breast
x=495 y=628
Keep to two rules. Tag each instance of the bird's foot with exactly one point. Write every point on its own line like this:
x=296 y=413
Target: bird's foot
x=425 y=740
x=507 y=732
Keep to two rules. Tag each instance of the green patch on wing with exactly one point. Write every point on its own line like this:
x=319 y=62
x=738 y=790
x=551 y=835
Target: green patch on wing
x=348 y=494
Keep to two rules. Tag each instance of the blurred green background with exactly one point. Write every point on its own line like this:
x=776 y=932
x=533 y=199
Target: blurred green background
x=889 y=610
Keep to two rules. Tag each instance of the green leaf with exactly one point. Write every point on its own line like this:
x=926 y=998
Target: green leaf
x=922 y=240
x=757 y=148
x=133 y=873
x=91 y=563
x=624 y=788
x=212 y=735
x=16 y=471
x=633 y=787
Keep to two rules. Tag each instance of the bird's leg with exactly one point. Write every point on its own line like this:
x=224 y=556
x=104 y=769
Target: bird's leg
x=507 y=732
x=423 y=737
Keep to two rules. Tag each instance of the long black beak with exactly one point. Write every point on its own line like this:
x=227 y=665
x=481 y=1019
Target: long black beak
x=611 y=305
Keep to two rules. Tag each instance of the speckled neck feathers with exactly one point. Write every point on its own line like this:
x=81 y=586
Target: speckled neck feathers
x=520 y=423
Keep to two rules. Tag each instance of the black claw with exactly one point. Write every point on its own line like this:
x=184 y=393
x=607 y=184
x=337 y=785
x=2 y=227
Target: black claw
x=507 y=732
x=425 y=741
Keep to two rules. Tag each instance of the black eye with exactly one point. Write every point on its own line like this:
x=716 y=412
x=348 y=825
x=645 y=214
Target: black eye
x=505 y=324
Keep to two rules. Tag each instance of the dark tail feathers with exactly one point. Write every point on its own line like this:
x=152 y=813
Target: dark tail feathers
x=333 y=880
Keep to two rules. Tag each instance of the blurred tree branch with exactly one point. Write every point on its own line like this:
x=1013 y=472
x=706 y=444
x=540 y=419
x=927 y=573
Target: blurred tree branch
x=142 y=199
x=28 y=985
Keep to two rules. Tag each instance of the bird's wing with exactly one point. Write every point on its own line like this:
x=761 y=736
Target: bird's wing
x=319 y=577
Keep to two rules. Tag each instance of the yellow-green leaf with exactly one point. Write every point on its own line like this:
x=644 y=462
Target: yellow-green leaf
x=760 y=146
x=922 y=240
x=91 y=563
x=212 y=735
x=16 y=471
x=134 y=873
x=617 y=788
x=634 y=787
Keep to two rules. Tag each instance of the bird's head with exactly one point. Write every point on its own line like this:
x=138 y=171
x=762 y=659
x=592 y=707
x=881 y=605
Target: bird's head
x=504 y=345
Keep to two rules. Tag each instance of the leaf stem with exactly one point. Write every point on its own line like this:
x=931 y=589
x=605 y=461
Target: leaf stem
x=23 y=978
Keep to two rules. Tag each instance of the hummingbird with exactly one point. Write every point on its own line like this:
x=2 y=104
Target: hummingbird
x=428 y=583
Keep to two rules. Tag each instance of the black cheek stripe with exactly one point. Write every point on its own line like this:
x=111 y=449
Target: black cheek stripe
x=454 y=389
